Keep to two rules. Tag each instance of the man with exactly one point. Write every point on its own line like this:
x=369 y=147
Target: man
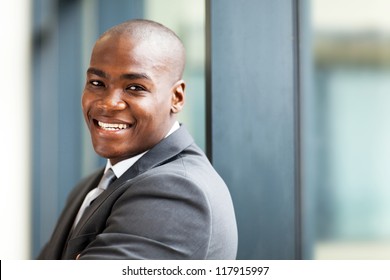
x=165 y=200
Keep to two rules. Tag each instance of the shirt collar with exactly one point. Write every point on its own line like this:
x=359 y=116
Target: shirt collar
x=124 y=165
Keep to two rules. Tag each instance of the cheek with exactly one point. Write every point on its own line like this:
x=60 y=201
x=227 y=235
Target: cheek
x=147 y=108
x=85 y=102
x=159 y=110
x=164 y=103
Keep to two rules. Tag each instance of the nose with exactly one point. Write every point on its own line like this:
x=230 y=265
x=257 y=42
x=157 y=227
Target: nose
x=113 y=100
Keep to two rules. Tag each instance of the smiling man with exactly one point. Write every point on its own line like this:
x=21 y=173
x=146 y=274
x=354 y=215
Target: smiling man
x=158 y=196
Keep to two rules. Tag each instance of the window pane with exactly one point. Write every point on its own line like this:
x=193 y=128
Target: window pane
x=350 y=128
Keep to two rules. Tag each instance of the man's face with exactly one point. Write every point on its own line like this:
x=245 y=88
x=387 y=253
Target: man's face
x=128 y=98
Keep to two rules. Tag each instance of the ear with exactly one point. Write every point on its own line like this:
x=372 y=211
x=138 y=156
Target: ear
x=178 y=94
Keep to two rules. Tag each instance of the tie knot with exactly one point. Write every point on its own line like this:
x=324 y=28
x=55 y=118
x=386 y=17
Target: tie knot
x=107 y=179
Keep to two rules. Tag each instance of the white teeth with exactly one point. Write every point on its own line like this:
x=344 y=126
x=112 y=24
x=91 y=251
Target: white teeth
x=112 y=126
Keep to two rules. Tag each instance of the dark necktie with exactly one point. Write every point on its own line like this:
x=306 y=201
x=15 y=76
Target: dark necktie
x=107 y=179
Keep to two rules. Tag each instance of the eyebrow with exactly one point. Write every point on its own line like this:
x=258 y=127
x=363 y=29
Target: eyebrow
x=135 y=76
x=97 y=72
x=127 y=76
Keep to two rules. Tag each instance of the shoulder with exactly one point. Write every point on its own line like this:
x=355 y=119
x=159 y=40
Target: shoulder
x=188 y=170
x=174 y=180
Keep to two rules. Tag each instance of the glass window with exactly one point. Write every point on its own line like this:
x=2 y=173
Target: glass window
x=350 y=158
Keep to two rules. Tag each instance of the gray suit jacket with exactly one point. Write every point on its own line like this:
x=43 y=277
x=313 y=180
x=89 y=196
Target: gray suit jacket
x=171 y=204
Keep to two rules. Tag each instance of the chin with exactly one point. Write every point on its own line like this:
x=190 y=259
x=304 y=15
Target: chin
x=104 y=153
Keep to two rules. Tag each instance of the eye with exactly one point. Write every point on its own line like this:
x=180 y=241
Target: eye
x=96 y=83
x=135 y=88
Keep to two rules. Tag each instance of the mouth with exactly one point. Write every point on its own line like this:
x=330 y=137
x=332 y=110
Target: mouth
x=111 y=126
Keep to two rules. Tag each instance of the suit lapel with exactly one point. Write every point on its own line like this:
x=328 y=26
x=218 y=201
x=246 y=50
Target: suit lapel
x=168 y=148
x=75 y=204
x=64 y=227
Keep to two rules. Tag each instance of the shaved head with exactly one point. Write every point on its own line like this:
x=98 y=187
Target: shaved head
x=152 y=35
